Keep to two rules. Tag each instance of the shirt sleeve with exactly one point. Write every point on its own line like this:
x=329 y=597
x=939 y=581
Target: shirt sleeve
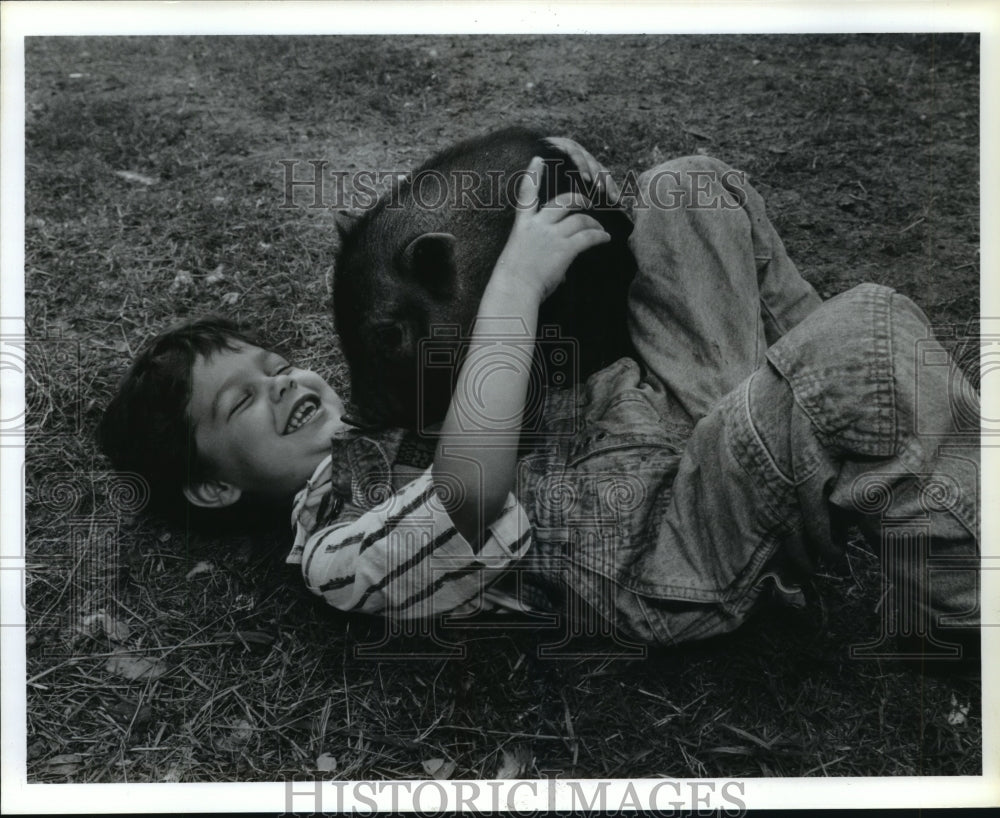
x=406 y=560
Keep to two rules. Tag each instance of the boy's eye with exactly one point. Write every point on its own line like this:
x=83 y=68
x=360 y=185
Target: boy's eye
x=244 y=399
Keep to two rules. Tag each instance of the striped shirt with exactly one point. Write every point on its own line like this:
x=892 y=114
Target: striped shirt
x=403 y=558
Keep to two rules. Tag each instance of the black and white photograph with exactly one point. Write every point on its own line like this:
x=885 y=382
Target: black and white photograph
x=453 y=405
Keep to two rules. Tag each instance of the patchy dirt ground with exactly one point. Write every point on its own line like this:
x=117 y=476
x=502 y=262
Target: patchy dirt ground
x=155 y=190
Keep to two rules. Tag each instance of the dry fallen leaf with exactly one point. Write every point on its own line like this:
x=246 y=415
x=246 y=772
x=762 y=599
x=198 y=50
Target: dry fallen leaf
x=237 y=736
x=135 y=667
x=216 y=275
x=515 y=762
x=958 y=713
x=179 y=768
x=697 y=133
x=130 y=712
x=439 y=768
x=104 y=623
x=132 y=176
x=64 y=764
x=182 y=282
x=200 y=568
x=173 y=775
x=326 y=763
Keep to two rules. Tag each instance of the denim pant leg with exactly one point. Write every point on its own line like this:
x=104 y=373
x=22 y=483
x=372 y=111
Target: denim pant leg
x=843 y=420
x=714 y=286
x=873 y=433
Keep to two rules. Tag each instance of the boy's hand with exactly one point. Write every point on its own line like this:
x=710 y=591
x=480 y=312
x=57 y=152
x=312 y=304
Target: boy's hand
x=544 y=241
x=590 y=169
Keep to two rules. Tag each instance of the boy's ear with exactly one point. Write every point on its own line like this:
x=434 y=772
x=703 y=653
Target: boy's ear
x=212 y=494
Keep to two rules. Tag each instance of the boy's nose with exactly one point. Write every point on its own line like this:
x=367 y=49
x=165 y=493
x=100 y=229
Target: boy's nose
x=279 y=385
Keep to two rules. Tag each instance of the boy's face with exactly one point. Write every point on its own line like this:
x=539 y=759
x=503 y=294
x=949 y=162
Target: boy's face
x=261 y=425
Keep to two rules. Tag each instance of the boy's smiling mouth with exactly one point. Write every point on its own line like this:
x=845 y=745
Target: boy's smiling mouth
x=305 y=409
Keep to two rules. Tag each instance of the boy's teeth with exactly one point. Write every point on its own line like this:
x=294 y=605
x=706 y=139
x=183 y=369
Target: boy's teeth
x=300 y=416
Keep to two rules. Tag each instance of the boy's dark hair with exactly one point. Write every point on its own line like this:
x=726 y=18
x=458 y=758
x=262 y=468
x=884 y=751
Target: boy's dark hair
x=146 y=429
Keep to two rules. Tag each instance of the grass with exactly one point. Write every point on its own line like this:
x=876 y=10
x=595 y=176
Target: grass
x=866 y=149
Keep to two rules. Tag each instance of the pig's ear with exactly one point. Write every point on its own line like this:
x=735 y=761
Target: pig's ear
x=345 y=222
x=430 y=261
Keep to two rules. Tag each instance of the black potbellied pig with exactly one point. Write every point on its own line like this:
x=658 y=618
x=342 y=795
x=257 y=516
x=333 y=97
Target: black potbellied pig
x=410 y=272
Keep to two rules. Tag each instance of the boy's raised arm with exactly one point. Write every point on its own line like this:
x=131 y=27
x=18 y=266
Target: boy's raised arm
x=475 y=463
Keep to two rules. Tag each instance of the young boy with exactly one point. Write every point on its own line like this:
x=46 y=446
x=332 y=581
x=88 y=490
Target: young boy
x=667 y=495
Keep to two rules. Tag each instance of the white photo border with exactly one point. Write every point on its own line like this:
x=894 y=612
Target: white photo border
x=20 y=19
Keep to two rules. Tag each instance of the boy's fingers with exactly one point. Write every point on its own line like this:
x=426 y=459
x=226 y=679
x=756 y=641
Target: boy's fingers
x=567 y=202
x=527 y=188
x=614 y=193
x=588 y=166
x=579 y=222
x=590 y=169
x=585 y=239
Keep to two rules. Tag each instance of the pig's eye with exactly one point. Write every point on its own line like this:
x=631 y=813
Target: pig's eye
x=390 y=337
